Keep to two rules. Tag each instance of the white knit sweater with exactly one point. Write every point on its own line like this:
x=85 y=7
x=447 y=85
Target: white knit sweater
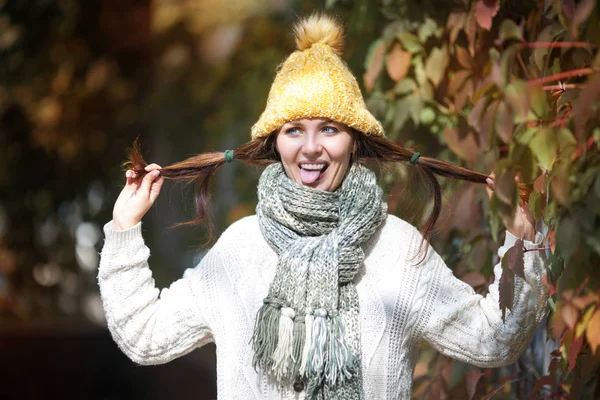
x=400 y=304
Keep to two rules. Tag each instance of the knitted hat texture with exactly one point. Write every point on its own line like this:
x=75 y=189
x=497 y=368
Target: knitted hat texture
x=314 y=82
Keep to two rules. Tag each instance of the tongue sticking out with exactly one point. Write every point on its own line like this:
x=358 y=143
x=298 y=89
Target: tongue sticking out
x=309 y=176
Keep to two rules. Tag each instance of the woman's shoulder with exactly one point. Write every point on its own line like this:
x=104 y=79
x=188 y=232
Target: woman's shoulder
x=246 y=227
x=398 y=227
x=392 y=241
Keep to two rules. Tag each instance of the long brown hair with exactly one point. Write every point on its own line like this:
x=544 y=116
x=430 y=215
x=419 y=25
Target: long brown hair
x=262 y=151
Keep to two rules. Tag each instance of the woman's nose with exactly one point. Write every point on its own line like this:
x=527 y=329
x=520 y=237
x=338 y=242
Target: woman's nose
x=311 y=145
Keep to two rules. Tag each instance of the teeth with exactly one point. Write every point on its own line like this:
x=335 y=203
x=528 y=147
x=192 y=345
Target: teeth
x=312 y=166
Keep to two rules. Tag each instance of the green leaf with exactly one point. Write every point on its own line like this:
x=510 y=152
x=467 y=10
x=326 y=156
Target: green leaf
x=509 y=30
x=436 y=64
x=548 y=34
x=428 y=29
x=494 y=218
x=507 y=62
x=427 y=116
x=405 y=86
x=523 y=158
x=539 y=102
x=536 y=204
x=410 y=42
x=544 y=146
x=517 y=96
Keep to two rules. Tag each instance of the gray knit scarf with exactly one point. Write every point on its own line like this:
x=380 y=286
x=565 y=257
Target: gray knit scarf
x=308 y=327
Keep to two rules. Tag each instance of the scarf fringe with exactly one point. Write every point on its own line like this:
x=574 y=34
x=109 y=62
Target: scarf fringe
x=264 y=339
x=282 y=357
x=308 y=323
x=340 y=363
x=316 y=361
x=298 y=346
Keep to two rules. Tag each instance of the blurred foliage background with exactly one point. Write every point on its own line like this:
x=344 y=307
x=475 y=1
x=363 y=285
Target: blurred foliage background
x=509 y=86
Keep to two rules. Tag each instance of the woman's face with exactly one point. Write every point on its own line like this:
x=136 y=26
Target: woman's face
x=315 y=152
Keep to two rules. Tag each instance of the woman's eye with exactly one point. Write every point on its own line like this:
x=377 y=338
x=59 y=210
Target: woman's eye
x=330 y=130
x=292 y=131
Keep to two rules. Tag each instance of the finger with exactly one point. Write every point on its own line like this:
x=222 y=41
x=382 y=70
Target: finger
x=152 y=167
x=131 y=178
x=147 y=181
x=489 y=187
x=155 y=189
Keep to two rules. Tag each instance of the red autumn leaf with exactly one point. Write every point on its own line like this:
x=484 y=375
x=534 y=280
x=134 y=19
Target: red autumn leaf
x=543 y=381
x=506 y=289
x=584 y=301
x=465 y=146
x=569 y=314
x=513 y=259
x=557 y=325
x=583 y=11
x=485 y=11
x=568 y=7
x=375 y=66
x=592 y=333
x=539 y=185
x=472 y=379
x=574 y=350
x=455 y=23
x=462 y=55
x=512 y=264
x=582 y=109
x=398 y=62
x=458 y=80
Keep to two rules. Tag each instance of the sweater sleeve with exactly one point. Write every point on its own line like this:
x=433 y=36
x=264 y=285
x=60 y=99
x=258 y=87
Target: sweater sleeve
x=467 y=326
x=148 y=325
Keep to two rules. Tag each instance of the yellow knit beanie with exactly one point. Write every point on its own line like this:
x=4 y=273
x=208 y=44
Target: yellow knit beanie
x=314 y=82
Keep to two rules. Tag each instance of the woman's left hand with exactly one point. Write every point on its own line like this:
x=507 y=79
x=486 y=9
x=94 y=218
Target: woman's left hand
x=523 y=223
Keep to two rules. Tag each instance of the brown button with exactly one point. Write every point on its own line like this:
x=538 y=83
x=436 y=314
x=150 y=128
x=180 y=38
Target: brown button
x=299 y=386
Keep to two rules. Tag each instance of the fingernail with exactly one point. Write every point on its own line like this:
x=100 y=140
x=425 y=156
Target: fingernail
x=128 y=174
x=490 y=182
x=155 y=173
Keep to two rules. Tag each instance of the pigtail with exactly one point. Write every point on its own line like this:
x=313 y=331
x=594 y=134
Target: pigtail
x=199 y=169
x=379 y=149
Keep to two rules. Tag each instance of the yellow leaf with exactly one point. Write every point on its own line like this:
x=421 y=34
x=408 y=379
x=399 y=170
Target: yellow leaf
x=581 y=326
x=592 y=333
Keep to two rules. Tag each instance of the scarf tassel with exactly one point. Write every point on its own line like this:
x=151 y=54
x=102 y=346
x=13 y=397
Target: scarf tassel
x=298 y=346
x=264 y=339
x=316 y=361
x=340 y=364
x=282 y=357
x=308 y=324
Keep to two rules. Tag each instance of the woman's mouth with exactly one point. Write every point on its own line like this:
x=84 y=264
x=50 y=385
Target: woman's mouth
x=311 y=172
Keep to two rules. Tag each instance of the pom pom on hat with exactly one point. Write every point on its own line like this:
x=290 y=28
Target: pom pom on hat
x=322 y=29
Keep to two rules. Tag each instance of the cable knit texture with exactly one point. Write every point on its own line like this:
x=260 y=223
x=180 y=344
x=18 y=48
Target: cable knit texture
x=399 y=304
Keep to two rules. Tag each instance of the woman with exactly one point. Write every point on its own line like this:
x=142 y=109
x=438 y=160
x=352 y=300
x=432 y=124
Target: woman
x=321 y=294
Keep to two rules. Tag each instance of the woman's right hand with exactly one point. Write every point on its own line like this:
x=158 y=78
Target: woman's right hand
x=136 y=198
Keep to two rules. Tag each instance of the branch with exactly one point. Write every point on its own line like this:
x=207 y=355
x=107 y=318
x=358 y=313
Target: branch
x=561 y=45
x=562 y=75
x=564 y=86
